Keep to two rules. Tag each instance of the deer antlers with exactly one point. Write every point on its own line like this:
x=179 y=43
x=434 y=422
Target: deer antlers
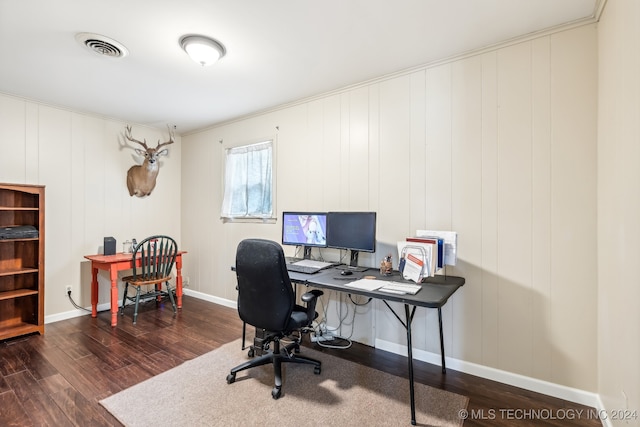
x=144 y=144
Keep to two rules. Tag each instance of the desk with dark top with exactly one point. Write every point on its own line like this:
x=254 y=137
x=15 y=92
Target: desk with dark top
x=435 y=292
x=120 y=262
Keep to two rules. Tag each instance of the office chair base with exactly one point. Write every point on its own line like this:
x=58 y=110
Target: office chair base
x=277 y=358
x=276 y=392
x=262 y=340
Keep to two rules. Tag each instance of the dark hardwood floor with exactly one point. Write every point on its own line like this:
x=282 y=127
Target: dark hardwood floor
x=57 y=379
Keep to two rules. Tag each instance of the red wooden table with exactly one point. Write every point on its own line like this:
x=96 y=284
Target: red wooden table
x=120 y=262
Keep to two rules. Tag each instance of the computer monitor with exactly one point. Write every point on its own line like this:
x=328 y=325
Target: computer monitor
x=355 y=231
x=306 y=229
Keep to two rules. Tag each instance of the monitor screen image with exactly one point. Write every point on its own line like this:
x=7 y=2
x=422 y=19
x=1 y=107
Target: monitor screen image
x=304 y=229
x=352 y=230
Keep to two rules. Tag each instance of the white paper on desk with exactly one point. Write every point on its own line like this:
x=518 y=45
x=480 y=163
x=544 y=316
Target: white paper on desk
x=413 y=268
x=366 y=284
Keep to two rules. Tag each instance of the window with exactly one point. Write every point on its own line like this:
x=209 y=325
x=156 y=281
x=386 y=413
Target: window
x=248 y=181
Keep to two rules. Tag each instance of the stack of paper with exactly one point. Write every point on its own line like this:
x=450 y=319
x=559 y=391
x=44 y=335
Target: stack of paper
x=384 y=286
x=365 y=284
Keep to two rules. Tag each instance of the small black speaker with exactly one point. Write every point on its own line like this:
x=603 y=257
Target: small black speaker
x=109 y=246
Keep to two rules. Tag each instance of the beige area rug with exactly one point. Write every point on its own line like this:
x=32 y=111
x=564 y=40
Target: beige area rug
x=196 y=393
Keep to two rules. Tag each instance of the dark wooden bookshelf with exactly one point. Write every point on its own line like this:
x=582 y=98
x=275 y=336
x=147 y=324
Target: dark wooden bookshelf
x=21 y=261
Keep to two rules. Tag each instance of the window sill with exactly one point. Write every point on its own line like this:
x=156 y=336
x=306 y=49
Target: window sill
x=249 y=220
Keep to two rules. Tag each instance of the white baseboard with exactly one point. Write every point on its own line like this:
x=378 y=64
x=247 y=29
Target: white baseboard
x=210 y=298
x=76 y=313
x=107 y=306
x=551 y=389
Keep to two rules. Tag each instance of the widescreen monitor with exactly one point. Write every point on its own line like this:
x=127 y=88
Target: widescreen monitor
x=307 y=229
x=355 y=231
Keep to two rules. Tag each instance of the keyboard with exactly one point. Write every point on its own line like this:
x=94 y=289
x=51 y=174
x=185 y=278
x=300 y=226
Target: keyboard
x=400 y=288
x=308 y=266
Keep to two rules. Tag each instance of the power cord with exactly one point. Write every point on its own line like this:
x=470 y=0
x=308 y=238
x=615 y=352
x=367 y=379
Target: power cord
x=359 y=303
x=74 y=303
x=335 y=342
x=89 y=311
x=335 y=346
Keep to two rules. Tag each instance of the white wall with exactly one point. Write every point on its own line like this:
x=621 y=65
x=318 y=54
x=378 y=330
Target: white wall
x=80 y=160
x=619 y=207
x=500 y=146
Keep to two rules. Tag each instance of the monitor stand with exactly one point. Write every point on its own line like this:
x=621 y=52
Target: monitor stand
x=307 y=252
x=353 y=263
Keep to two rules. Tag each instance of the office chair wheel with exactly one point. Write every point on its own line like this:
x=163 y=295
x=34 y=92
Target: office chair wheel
x=231 y=378
x=251 y=353
x=276 y=392
x=317 y=370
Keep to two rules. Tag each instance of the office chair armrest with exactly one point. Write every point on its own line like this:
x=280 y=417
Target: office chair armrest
x=310 y=298
x=311 y=295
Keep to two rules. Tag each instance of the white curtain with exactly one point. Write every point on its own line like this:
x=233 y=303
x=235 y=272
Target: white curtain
x=248 y=181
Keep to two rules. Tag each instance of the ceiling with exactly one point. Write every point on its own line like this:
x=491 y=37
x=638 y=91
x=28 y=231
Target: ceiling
x=278 y=51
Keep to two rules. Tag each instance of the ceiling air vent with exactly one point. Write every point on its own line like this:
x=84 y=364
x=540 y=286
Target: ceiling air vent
x=102 y=45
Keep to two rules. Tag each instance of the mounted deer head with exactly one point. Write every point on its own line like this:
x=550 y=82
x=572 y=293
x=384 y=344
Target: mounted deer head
x=141 y=179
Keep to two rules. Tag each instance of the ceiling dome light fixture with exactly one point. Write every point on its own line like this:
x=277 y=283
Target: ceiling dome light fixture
x=204 y=50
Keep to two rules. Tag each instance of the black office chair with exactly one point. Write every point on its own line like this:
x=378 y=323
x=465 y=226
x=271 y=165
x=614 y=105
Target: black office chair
x=157 y=255
x=266 y=300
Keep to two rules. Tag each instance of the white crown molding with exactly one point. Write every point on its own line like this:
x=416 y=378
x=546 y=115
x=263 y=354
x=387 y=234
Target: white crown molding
x=593 y=18
x=599 y=7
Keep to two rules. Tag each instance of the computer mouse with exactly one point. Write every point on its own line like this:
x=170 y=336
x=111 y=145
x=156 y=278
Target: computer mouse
x=346 y=272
